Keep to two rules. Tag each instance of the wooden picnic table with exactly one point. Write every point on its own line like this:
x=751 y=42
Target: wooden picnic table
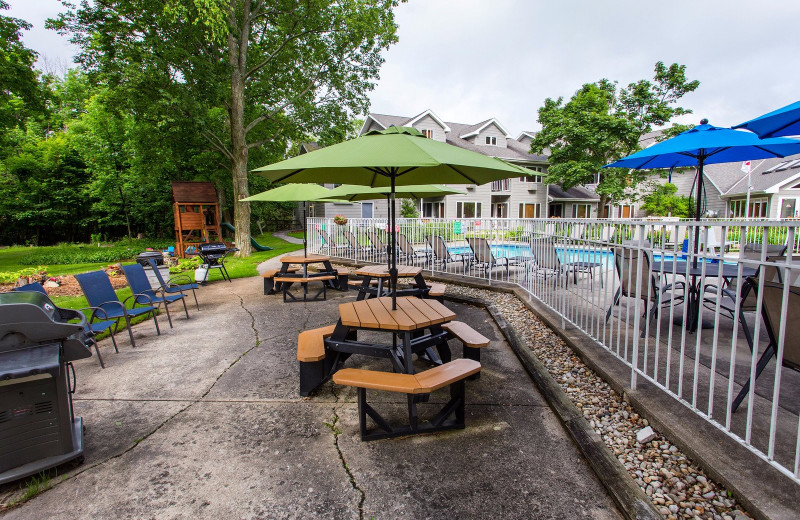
x=416 y=328
x=381 y=273
x=287 y=261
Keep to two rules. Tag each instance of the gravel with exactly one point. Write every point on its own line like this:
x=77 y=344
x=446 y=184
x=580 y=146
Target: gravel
x=675 y=485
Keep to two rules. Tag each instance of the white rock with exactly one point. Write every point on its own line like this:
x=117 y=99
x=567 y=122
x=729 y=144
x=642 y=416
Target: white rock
x=646 y=434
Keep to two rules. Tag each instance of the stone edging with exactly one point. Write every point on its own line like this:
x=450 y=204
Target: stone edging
x=632 y=501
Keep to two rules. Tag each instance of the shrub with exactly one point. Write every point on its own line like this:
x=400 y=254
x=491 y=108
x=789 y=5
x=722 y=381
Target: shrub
x=89 y=254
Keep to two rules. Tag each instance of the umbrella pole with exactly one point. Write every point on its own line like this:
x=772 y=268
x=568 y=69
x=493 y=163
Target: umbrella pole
x=393 y=252
x=698 y=206
x=305 y=249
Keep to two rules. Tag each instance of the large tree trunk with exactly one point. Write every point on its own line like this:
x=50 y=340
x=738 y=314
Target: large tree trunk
x=237 y=58
x=601 y=205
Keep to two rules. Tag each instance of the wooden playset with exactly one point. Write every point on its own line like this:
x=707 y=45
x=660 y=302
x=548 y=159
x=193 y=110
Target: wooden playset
x=197 y=217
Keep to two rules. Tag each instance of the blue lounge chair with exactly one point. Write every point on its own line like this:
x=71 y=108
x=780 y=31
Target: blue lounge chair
x=100 y=293
x=144 y=293
x=95 y=327
x=176 y=284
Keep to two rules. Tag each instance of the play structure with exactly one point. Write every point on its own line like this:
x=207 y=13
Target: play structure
x=196 y=211
x=256 y=245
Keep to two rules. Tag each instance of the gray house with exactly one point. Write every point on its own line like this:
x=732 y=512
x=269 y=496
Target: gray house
x=529 y=198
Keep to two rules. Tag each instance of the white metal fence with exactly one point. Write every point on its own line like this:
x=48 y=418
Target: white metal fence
x=636 y=288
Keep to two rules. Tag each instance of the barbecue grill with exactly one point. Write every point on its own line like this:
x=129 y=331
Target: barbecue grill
x=143 y=258
x=38 y=429
x=213 y=255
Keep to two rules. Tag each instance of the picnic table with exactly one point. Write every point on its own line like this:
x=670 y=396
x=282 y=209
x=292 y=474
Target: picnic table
x=288 y=261
x=381 y=274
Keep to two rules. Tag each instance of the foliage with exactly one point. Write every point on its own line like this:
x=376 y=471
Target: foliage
x=340 y=220
x=602 y=123
x=186 y=264
x=408 y=209
x=663 y=201
x=422 y=229
x=19 y=87
x=90 y=253
x=248 y=77
x=13 y=276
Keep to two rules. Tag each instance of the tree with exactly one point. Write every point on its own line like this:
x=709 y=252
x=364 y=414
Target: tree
x=408 y=209
x=602 y=123
x=19 y=85
x=663 y=201
x=250 y=75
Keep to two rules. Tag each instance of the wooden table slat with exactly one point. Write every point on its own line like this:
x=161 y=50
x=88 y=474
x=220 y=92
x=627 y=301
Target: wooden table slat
x=382 y=271
x=300 y=259
x=424 y=308
x=446 y=313
x=418 y=317
x=399 y=315
x=348 y=315
x=365 y=315
x=384 y=318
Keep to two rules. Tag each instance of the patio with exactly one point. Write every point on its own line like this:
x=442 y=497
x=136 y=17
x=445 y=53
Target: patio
x=205 y=421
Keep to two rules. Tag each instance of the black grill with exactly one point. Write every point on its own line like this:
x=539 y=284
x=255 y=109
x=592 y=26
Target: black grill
x=157 y=256
x=37 y=346
x=213 y=255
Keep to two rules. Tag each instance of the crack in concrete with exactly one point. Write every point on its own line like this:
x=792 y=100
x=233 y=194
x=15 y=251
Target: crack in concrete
x=191 y=403
x=336 y=433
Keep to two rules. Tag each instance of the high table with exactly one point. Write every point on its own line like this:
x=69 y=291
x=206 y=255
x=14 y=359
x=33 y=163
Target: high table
x=381 y=273
x=408 y=324
x=712 y=270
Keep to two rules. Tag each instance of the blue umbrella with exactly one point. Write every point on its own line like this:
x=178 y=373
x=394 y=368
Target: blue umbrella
x=781 y=122
x=707 y=144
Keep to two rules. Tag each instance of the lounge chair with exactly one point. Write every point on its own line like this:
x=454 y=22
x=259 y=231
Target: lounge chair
x=179 y=283
x=627 y=264
x=547 y=262
x=443 y=255
x=95 y=327
x=143 y=292
x=353 y=244
x=407 y=250
x=773 y=313
x=379 y=249
x=484 y=258
x=100 y=293
x=329 y=245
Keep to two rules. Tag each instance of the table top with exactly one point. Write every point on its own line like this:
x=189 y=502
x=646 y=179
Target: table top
x=712 y=270
x=300 y=259
x=412 y=313
x=382 y=271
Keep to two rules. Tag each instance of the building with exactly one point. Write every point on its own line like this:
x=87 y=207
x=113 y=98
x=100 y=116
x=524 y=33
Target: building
x=529 y=198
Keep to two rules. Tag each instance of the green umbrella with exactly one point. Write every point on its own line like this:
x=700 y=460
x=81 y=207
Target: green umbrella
x=397 y=155
x=350 y=192
x=292 y=193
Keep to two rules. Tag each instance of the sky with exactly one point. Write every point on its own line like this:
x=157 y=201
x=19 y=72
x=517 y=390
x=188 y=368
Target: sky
x=471 y=60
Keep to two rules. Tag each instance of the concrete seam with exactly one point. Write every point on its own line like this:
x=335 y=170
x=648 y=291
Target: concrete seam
x=336 y=433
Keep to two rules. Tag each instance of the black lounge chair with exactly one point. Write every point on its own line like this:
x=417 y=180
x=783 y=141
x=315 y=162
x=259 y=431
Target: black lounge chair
x=441 y=254
x=100 y=294
x=407 y=250
x=179 y=283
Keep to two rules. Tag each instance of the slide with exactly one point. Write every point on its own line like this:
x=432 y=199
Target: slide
x=256 y=245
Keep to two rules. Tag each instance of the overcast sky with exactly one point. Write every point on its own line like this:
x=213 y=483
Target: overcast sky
x=469 y=60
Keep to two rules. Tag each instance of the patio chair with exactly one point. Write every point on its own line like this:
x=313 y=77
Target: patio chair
x=100 y=293
x=353 y=244
x=483 y=257
x=328 y=244
x=627 y=264
x=576 y=232
x=441 y=254
x=179 y=283
x=379 y=249
x=143 y=292
x=407 y=250
x=546 y=262
x=773 y=315
x=95 y=327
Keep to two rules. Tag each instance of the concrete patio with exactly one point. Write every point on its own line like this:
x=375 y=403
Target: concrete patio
x=205 y=421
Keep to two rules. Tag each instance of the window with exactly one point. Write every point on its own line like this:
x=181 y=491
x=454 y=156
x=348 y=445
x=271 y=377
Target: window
x=598 y=178
x=366 y=210
x=427 y=133
x=499 y=209
x=501 y=185
x=468 y=210
x=491 y=140
x=530 y=211
x=581 y=210
x=534 y=178
x=433 y=209
x=758 y=208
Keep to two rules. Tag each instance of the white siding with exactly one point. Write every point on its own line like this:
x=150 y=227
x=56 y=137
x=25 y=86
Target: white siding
x=492 y=131
x=429 y=123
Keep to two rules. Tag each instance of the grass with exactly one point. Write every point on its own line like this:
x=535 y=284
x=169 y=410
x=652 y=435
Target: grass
x=296 y=234
x=237 y=268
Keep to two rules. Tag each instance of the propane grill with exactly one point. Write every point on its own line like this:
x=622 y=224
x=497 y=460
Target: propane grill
x=213 y=255
x=38 y=429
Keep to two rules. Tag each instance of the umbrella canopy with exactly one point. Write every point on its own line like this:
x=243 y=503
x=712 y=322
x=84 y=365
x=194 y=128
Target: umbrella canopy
x=781 y=122
x=350 y=192
x=397 y=155
x=706 y=144
x=292 y=193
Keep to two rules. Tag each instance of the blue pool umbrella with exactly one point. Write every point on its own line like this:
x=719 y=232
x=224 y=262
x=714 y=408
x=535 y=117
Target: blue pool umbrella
x=782 y=122
x=707 y=144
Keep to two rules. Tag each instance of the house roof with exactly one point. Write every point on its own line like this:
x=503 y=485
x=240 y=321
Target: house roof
x=514 y=151
x=766 y=176
x=526 y=133
x=433 y=116
x=480 y=126
x=557 y=193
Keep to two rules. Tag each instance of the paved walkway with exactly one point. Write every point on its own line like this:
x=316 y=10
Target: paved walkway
x=284 y=235
x=205 y=421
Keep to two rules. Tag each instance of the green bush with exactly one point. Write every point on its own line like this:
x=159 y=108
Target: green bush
x=13 y=276
x=63 y=254
x=186 y=264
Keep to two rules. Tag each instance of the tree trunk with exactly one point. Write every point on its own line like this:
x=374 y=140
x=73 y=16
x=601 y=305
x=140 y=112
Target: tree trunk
x=237 y=59
x=601 y=205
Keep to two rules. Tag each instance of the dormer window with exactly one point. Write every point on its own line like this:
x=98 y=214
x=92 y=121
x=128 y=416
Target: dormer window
x=491 y=140
x=427 y=133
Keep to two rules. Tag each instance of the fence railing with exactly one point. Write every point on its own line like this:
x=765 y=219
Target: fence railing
x=682 y=320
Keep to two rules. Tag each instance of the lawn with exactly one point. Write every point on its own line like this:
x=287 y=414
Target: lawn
x=296 y=234
x=17 y=258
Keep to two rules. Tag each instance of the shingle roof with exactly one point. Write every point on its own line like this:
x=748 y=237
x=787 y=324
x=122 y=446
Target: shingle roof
x=764 y=175
x=577 y=192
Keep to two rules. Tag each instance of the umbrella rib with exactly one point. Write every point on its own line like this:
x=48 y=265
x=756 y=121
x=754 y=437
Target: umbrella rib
x=288 y=175
x=768 y=151
x=462 y=174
